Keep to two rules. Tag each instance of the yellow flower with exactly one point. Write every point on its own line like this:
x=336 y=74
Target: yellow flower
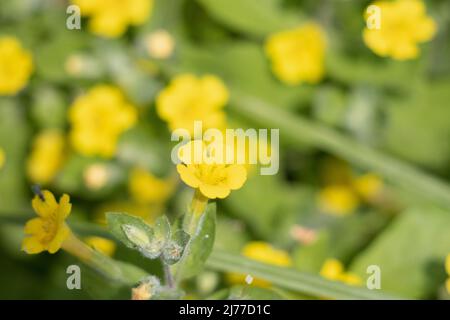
x=96 y=176
x=404 y=24
x=212 y=178
x=337 y=199
x=16 y=66
x=368 y=186
x=148 y=212
x=2 y=158
x=105 y=246
x=262 y=252
x=144 y=187
x=46 y=157
x=49 y=230
x=297 y=55
x=447 y=268
x=98 y=118
x=188 y=98
x=111 y=18
x=333 y=269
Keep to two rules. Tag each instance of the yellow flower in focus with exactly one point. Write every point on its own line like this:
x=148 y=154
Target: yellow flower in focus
x=16 y=66
x=404 y=24
x=105 y=246
x=188 y=98
x=368 y=186
x=2 y=158
x=111 y=18
x=262 y=252
x=47 y=156
x=144 y=187
x=333 y=269
x=49 y=230
x=337 y=199
x=98 y=118
x=297 y=55
x=212 y=178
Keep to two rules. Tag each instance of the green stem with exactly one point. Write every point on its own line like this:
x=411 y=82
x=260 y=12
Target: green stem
x=168 y=275
x=300 y=130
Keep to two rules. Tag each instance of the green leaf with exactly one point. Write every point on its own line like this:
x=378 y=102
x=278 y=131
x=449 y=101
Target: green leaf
x=410 y=253
x=199 y=246
x=134 y=233
x=309 y=284
x=254 y=17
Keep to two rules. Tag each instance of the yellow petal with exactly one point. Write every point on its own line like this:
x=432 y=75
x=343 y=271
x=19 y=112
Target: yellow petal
x=214 y=191
x=188 y=176
x=64 y=206
x=236 y=176
x=44 y=208
x=31 y=245
x=34 y=226
x=332 y=269
x=61 y=235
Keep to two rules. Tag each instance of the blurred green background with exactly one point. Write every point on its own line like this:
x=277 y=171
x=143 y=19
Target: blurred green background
x=365 y=152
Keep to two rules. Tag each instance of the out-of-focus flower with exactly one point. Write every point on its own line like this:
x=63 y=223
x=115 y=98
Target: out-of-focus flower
x=16 y=66
x=111 y=18
x=159 y=44
x=297 y=55
x=144 y=187
x=404 y=24
x=333 y=269
x=49 y=230
x=148 y=212
x=105 y=246
x=303 y=235
x=447 y=268
x=213 y=179
x=98 y=118
x=368 y=186
x=2 y=158
x=262 y=252
x=188 y=98
x=96 y=176
x=46 y=157
x=337 y=199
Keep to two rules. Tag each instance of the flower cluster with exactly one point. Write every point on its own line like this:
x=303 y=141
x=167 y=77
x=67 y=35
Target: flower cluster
x=297 y=55
x=144 y=187
x=98 y=118
x=16 y=66
x=404 y=24
x=189 y=98
x=111 y=18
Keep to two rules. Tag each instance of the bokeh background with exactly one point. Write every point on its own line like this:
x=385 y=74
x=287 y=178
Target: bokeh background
x=364 y=155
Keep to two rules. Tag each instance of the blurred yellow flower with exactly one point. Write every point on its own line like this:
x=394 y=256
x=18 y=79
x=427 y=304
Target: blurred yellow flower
x=333 y=269
x=447 y=268
x=262 y=252
x=297 y=55
x=188 y=98
x=337 y=199
x=211 y=178
x=49 y=230
x=2 y=158
x=105 y=246
x=148 y=212
x=47 y=156
x=98 y=118
x=159 y=44
x=16 y=66
x=111 y=18
x=404 y=24
x=368 y=186
x=144 y=187
x=96 y=176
